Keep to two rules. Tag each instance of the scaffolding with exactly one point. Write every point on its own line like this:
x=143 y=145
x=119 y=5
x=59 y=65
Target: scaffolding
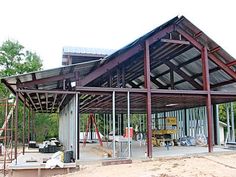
x=6 y=133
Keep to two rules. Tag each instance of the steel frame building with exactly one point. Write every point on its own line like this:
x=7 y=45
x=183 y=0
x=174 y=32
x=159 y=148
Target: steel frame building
x=175 y=66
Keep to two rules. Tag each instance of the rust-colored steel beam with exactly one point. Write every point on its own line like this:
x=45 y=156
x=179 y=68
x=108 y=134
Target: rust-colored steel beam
x=147 y=85
x=214 y=49
x=231 y=63
x=184 y=76
x=223 y=66
x=12 y=90
x=46 y=91
x=53 y=104
x=63 y=98
x=217 y=61
x=172 y=81
x=172 y=41
x=123 y=57
x=197 y=35
x=206 y=86
x=156 y=82
x=32 y=102
x=46 y=96
x=159 y=61
x=39 y=100
x=223 y=83
x=46 y=80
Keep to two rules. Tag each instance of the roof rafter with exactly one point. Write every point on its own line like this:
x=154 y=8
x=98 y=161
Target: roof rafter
x=199 y=46
x=184 y=75
x=46 y=80
x=121 y=58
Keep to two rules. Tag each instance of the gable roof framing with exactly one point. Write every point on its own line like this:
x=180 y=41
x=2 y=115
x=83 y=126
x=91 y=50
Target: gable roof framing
x=175 y=53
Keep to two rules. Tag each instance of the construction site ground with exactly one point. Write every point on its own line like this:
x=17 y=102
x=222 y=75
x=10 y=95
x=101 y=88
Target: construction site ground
x=217 y=164
x=177 y=161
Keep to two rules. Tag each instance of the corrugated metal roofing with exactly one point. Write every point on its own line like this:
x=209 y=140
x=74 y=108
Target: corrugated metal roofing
x=83 y=68
x=158 y=52
x=84 y=50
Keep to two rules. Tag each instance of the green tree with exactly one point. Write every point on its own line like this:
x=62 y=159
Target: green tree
x=14 y=59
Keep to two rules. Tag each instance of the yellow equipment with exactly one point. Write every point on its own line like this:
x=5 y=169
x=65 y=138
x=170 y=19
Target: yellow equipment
x=163 y=135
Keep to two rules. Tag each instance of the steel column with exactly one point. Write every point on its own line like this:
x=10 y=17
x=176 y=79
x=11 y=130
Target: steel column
x=23 y=129
x=185 y=123
x=33 y=126
x=16 y=125
x=148 y=98
x=232 y=122
x=128 y=115
x=77 y=126
x=114 y=123
x=122 y=124
x=172 y=82
x=206 y=86
x=217 y=124
x=228 y=123
x=29 y=125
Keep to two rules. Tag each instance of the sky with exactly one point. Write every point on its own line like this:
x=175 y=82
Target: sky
x=45 y=26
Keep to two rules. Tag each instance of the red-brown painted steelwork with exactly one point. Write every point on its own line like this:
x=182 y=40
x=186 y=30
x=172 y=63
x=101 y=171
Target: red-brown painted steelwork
x=148 y=98
x=23 y=130
x=218 y=62
x=206 y=86
x=121 y=58
x=16 y=124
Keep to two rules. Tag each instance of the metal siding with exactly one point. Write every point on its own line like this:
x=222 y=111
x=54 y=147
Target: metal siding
x=67 y=129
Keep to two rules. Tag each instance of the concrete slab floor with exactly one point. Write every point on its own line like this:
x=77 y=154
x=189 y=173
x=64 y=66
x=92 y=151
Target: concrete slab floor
x=92 y=152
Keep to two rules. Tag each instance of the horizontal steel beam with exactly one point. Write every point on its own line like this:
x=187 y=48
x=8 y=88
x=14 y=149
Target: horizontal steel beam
x=134 y=90
x=109 y=90
x=199 y=46
x=231 y=63
x=123 y=57
x=45 y=91
x=175 y=41
x=46 y=80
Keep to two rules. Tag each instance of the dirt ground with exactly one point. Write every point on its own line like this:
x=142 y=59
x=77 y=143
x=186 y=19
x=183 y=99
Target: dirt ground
x=214 y=165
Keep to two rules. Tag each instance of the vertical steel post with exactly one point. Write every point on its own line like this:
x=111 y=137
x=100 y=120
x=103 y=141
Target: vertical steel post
x=206 y=86
x=232 y=122
x=217 y=125
x=5 y=138
x=34 y=135
x=128 y=115
x=148 y=98
x=23 y=129
x=77 y=126
x=29 y=125
x=172 y=81
x=12 y=127
x=16 y=125
x=114 y=122
x=228 y=123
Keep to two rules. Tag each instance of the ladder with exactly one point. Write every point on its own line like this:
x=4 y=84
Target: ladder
x=91 y=119
x=8 y=118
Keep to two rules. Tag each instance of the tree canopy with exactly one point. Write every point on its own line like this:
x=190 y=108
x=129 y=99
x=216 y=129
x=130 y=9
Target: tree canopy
x=15 y=59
